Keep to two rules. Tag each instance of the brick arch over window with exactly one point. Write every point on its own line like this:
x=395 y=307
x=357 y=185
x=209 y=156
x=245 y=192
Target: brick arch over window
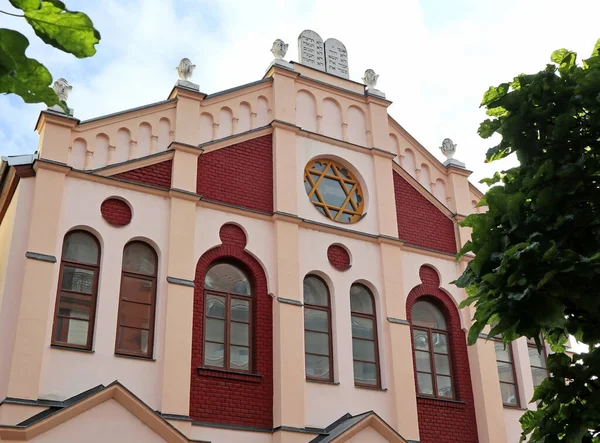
x=441 y=421
x=229 y=397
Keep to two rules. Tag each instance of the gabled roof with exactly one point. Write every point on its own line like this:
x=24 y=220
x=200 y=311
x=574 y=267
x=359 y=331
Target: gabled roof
x=348 y=426
x=61 y=412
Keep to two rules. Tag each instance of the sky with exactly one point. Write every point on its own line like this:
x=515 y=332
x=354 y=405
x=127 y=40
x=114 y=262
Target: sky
x=435 y=58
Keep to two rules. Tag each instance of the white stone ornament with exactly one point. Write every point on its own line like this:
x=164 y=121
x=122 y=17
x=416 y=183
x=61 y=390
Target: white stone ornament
x=336 y=58
x=370 y=79
x=311 y=50
x=62 y=88
x=279 y=49
x=448 y=148
x=185 y=70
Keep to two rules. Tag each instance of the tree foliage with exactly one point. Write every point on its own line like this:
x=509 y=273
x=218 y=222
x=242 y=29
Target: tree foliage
x=69 y=31
x=536 y=269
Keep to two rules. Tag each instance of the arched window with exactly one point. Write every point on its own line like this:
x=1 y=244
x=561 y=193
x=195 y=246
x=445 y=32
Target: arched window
x=365 y=351
x=77 y=291
x=432 y=351
x=137 y=301
x=317 y=330
x=227 y=318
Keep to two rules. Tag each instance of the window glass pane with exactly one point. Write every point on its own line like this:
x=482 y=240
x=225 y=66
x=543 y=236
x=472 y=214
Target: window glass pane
x=78 y=280
x=422 y=359
x=538 y=375
x=132 y=340
x=239 y=358
x=365 y=373
x=502 y=352
x=317 y=366
x=315 y=292
x=505 y=372
x=239 y=334
x=71 y=331
x=426 y=314
x=135 y=315
x=316 y=320
x=421 y=340
x=137 y=289
x=362 y=327
x=363 y=349
x=440 y=343
x=75 y=305
x=444 y=386
x=332 y=191
x=214 y=354
x=361 y=300
x=424 y=383
x=442 y=364
x=509 y=394
x=80 y=247
x=139 y=258
x=536 y=359
x=316 y=342
x=227 y=278
x=215 y=330
x=240 y=310
x=215 y=306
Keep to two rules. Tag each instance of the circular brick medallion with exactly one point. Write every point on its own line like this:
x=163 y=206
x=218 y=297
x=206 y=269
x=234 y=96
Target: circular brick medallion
x=116 y=211
x=339 y=257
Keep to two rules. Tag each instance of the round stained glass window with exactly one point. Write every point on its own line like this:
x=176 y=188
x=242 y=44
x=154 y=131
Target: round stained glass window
x=334 y=191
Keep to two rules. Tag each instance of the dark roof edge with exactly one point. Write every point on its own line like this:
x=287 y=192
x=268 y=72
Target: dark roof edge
x=114 y=114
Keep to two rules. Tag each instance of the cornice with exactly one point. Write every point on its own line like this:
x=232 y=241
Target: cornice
x=185 y=147
x=127 y=114
x=50 y=165
x=135 y=163
x=235 y=139
x=55 y=118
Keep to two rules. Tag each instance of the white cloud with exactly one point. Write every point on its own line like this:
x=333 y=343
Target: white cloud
x=435 y=58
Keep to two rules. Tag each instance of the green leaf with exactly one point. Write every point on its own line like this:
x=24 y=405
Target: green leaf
x=21 y=75
x=68 y=31
x=488 y=127
x=494 y=93
x=467 y=247
x=26 y=5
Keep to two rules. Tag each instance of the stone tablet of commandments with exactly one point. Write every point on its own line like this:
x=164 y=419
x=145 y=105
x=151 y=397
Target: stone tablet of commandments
x=336 y=58
x=310 y=48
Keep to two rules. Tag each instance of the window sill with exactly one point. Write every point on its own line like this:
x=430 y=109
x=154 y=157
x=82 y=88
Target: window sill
x=322 y=382
x=370 y=388
x=516 y=408
x=69 y=348
x=135 y=357
x=445 y=401
x=229 y=375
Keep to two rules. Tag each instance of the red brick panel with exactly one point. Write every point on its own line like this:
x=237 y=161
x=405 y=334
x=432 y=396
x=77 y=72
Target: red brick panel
x=230 y=398
x=240 y=174
x=442 y=421
x=420 y=223
x=338 y=257
x=116 y=212
x=158 y=174
x=231 y=234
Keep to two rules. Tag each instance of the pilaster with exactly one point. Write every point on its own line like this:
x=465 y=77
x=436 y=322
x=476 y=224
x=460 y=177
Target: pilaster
x=55 y=136
x=458 y=179
x=39 y=289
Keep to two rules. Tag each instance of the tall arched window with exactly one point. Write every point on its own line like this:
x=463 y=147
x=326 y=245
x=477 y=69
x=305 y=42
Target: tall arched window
x=227 y=318
x=365 y=352
x=432 y=351
x=137 y=301
x=77 y=291
x=317 y=330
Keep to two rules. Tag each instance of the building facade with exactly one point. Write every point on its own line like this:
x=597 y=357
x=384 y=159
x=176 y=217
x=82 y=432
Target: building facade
x=269 y=263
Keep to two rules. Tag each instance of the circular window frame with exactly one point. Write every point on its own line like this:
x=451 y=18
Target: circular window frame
x=342 y=174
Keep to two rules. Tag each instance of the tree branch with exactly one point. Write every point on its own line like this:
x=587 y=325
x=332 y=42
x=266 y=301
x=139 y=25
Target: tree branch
x=13 y=15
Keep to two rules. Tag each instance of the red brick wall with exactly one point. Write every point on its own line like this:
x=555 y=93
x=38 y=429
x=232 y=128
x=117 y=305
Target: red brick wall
x=420 y=223
x=240 y=174
x=231 y=398
x=338 y=257
x=116 y=212
x=158 y=174
x=442 y=421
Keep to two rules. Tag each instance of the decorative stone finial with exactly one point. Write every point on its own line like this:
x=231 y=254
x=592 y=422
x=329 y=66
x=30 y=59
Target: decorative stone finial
x=448 y=148
x=185 y=71
x=279 y=49
x=62 y=88
x=370 y=79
